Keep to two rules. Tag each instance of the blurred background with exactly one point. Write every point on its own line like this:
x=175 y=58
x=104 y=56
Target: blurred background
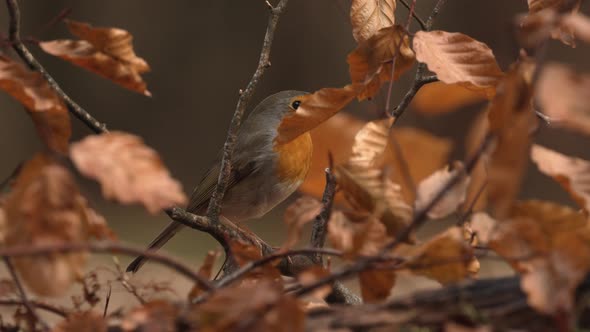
x=202 y=52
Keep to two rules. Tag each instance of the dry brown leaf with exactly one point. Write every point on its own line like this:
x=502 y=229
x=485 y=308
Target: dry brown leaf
x=550 y=245
x=563 y=96
x=477 y=194
x=128 y=170
x=512 y=120
x=205 y=271
x=458 y=58
x=105 y=51
x=578 y=24
x=45 y=207
x=334 y=137
x=439 y=98
x=356 y=234
x=445 y=258
x=363 y=183
x=310 y=276
x=545 y=20
x=370 y=64
x=423 y=152
x=369 y=16
x=228 y=307
x=482 y=226
x=158 y=315
x=314 y=109
x=376 y=285
x=432 y=185
x=571 y=173
x=87 y=321
x=47 y=110
x=299 y=213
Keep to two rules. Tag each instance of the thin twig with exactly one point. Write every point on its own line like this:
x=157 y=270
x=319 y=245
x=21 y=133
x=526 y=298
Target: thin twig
x=107 y=301
x=23 y=294
x=419 y=81
x=214 y=208
x=24 y=53
x=418 y=220
x=39 y=305
x=435 y=11
x=414 y=15
x=107 y=247
x=320 y=223
x=250 y=266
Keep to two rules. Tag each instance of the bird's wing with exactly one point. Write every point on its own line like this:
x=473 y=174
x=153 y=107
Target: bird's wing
x=200 y=196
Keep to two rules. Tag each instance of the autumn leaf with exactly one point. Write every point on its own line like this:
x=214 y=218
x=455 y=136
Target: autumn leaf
x=512 y=120
x=376 y=285
x=549 y=245
x=422 y=152
x=545 y=20
x=226 y=309
x=458 y=58
x=356 y=234
x=477 y=196
x=158 y=314
x=578 y=24
x=563 y=95
x=105 y=51
x=45 y=207
x=311 y=275
x=539 y=5
x=314 y=109
x=370 y=64
x=362 y=181
x=445 y=258
x=439 y=98
x=571 y=173
x=128 y=170
x=205 y=271
x=47 y=110
x=369 y=16
x=297 y=215
x=84 y=321
x=431 y=186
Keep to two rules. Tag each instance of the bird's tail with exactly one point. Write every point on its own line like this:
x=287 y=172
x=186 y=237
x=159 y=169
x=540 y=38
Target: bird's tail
x=168 y=232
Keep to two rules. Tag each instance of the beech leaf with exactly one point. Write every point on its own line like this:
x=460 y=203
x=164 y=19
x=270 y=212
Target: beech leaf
x=370 y=64
x=369 y=16
x=105 y=51
x=458 y=58
x=432 y=185
x=128 y=170
x=47 y=110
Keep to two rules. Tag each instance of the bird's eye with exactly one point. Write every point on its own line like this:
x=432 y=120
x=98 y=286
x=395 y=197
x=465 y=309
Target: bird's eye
x=295 y=104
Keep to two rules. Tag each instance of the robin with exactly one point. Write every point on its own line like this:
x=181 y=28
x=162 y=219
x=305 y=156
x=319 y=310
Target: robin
x=263 y=174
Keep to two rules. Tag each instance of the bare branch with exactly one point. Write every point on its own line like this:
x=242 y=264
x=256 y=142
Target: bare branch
x=320 y=223
x=214 y=207
x=24 y=53
x=419 y=81
x=107 y=247
x=39 y=305
x=414 y=14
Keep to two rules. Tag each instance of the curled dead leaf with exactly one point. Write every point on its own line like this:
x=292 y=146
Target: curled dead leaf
x=310 y=276
x=127 y=170
x=370 y=64
x=105 y=51
x=376 y=285
x=369 y=16
x=45 y=207
x=432 y=185
x=446 y=258
x=458 y=58
x=86 y=321
x=571 y=173
x=550 y=245
x=159 y=315
x=205 y=271
x=356 y=234
x=314 y=109
x=562 y=94
x=47 y=110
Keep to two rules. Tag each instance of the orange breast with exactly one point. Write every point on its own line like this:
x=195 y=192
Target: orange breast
x=294 y=158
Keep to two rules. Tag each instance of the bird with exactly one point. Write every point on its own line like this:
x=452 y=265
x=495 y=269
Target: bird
x=264 y=172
